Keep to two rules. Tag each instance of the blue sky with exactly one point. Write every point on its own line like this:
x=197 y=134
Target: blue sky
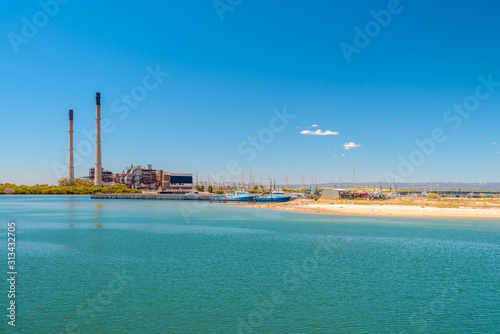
x=225 y=78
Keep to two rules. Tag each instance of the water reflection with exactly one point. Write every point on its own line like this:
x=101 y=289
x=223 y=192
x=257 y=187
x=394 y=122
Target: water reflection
x=98 y=215
x=70 y=212
x=74 y=207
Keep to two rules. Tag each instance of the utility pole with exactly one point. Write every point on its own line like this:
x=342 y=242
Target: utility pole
x=242 y=178
x=340 y=172
x=438 y=180
x=260 y=179
x=353 y=175
x=286 y=180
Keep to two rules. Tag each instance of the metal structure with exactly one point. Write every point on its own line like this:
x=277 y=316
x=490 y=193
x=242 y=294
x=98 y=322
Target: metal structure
x=106 y=175
x=149 y=179
x=98 y=164
x=137 y=178
x=353 y=175
x=71 y=162
x=212 y=198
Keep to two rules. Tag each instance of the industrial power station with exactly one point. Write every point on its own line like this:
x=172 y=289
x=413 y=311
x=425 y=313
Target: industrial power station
x=147 y=179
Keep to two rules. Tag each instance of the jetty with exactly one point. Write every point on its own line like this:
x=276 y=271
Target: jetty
x=217 y=198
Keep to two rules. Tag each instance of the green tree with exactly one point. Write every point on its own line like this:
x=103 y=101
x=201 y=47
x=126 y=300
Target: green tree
x=210 y=189
x=75 y=183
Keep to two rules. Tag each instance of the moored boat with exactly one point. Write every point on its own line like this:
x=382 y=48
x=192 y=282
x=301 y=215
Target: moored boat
x=275 y=196
x=241 y=196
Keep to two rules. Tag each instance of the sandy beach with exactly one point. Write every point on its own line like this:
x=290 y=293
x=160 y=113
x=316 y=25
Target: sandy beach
x=377 y=209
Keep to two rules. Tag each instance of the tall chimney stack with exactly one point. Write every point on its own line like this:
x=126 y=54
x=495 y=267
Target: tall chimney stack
x=98 y=165
x=71 y=162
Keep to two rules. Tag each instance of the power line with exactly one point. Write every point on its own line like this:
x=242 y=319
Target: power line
x=340 y=171
x=353 y=175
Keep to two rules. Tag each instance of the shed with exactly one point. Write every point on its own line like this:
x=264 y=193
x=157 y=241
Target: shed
x=333 y=193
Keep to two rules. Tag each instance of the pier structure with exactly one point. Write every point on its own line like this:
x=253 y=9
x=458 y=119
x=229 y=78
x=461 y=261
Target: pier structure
x=212 y=198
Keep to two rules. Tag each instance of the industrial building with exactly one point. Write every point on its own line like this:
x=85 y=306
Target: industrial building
x=333 y=193
x=147 y=179
x=137 y=178
x=343 y=193
x=174 y=182
x=134 y=177
x=106 y=176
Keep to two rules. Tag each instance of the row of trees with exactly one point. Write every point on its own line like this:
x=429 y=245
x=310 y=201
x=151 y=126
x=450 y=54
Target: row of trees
x=65 y=187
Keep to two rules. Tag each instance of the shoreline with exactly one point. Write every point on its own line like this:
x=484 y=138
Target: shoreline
x=396 y=208
x=388 y=210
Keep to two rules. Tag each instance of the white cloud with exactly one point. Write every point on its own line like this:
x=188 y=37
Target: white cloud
x=494 y=143
x=319 y=133
x=348 y=146
x=314 y=126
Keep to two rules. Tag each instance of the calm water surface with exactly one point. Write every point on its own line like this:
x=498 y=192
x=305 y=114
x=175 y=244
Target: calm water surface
x=89 y=266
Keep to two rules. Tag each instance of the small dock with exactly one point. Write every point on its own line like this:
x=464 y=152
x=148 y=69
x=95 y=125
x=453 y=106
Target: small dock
x=217 y=198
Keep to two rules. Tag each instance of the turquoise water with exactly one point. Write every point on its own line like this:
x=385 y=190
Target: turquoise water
x=110 y=266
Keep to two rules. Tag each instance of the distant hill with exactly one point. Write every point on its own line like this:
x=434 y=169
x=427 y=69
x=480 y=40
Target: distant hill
x=419 y=186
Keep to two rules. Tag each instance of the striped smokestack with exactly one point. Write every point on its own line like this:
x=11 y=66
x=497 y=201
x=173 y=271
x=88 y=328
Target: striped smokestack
x=71 y=163
x=98 y=165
